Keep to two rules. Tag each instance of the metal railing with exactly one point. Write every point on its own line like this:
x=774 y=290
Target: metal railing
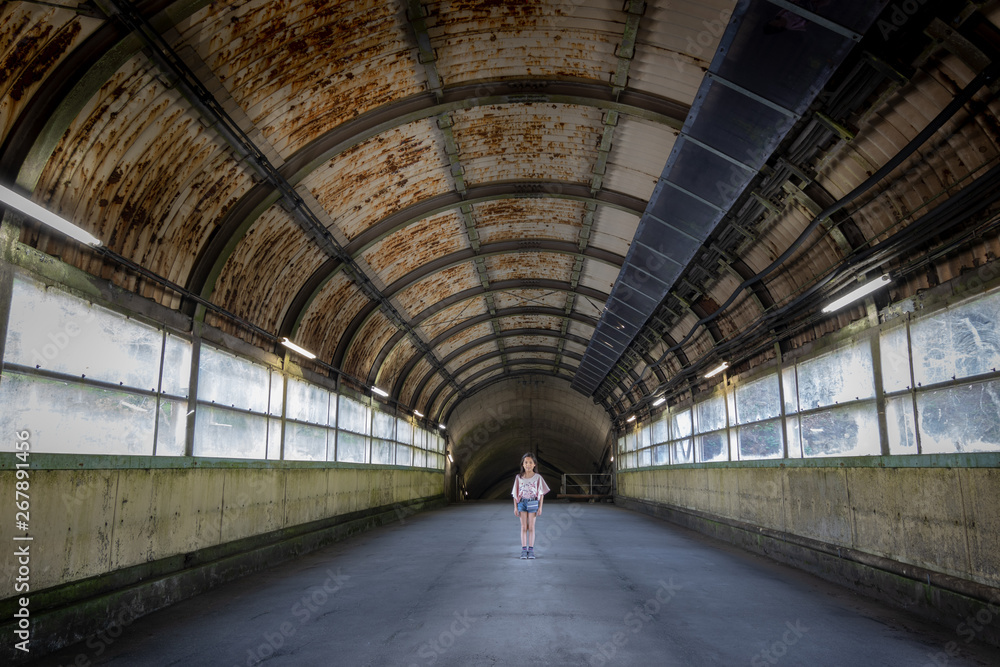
x=587 y=484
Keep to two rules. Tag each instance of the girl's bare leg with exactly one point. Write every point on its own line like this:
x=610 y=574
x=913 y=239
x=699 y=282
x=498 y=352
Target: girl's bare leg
x=531 y=529
x=524 y=528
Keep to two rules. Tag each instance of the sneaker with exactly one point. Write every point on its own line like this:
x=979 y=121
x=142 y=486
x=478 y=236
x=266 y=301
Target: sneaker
x=524 y=554
x=531 y=553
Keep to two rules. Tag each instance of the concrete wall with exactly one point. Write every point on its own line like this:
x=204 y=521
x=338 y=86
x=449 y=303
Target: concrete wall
x=90 y=522
x=944 y=519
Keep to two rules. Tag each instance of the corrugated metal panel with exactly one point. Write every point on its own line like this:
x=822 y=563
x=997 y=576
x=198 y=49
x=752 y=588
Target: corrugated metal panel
x=676 y=42
x=514 y=142
x=587 y=306
x=409 y=386
x=451 y=316
x=637 y=157
x=428 y=391
x=264 y=273
x=438 y=287
x=485 y=39
x=34 y=39
x=527 y=265
x=327 y=317
x=381 y=176
x=519 y=298
x=517 y=219
x=598 y=275
x=519 y=341
x=483 y=378
x=394 y=362
x=415 y=245
x=301 y=69
x=580 y=329
x=547 y=322
x=467 y=335
x=613 y=230
x=370 y=339
x=575 y=348
x=469 y=355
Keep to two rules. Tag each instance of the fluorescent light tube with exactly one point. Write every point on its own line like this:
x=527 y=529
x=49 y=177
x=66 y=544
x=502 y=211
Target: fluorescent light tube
x=854 y=295
x=718 y=369
x=418 y=413
x=295 y=348
x=46 y=217
x=380 y=392
x=631 y=419
x=441 y=426
x=660 y=401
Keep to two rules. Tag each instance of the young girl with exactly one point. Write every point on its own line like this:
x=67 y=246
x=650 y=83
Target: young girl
x=528 y=487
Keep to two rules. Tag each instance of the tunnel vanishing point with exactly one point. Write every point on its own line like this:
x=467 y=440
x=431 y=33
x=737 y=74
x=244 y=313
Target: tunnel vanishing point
x=276 y=273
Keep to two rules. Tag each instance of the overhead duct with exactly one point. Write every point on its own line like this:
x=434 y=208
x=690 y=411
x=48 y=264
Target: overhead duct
x=772 y=62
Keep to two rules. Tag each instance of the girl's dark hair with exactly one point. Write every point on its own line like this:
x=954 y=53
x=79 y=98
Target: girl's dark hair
x=531 y=456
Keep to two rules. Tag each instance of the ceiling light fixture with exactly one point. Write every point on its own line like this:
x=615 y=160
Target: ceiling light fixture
x=295 y=348
x=718 y=369
x=631 y=419
x=854 y=295
x=380 y=392
x=660 y=401
x=418 y=413
x=441 y=426
x=29 y=208
x=450 y=459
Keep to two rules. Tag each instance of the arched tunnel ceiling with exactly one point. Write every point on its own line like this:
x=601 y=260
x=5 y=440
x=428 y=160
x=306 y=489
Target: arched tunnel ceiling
x=433 y=196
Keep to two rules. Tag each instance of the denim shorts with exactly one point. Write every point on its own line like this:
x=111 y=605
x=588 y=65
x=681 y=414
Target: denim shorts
x=522 y=506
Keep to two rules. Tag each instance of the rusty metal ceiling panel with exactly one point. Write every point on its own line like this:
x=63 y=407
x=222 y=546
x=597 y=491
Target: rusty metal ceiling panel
x=528 y=265
x=546 y=322
x=510 y=342
x=517 y=142
x=301 y=69
x=413 y=379
x=486 y=376
x=140 y=172
x=451 y=316
x=381 y=176
x=528 y=297
x=517 y=219
x=429 y=390
x=327 y=317
x=415 y=245
x=580 y=329
x=521 y=356
x=465 y=376
x=438 y=287
x=587 y=306
x=613 y=230
x=34 y=39
x=472 y=354
x=575 y=348
x=598 y=275
x=637 y=156
x=475 y=332
x=364 y=348
x=676 y=42
x=266 y=269
x=393 y=364
x=478 y=40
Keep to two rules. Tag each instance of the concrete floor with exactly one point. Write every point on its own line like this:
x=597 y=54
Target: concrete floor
x=609 y=587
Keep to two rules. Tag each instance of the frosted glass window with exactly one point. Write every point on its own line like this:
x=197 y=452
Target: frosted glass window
x=353 y=416
x=680 y=424
x=960 y=419
x=75 y=418
x=404 y=432
x=229 y=434
x=351 y=447
x=59 y=332
x=419 y=458
x=838 y=377
x=901 y=428
x=960 y=342
x=307 y=402
x=171 y=431
x=794 y=438
x=645 y=458
x=758 y=400
x=631 y=440
x=644 y=434
x=277 y=400
x=274 y=439
x=403 y=454
x=845 y=431
x=683 y=451
x=439 y=445
x=661 y=455
x=661 y=429
x=176 y=367
x=761 y=440
x=382 y=451
x=621 y=445
x=712 y=447
x=304 y=442
x=383 y=425
x=895 y=353
x=789 y=388
x=229 y=380
x=711 y=414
